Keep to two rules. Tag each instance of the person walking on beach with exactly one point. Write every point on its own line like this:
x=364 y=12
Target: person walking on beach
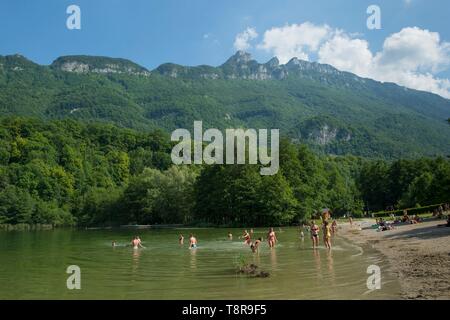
x=314 y=234
x=327 y=234
x=271 y=238
x=192 y=242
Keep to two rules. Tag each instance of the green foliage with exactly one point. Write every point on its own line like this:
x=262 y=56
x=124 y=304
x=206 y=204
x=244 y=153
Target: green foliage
x=69 y=173
x=333 y=112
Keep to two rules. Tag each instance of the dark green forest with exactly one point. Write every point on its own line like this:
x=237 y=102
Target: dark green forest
x=67 y=172
x=333 y=112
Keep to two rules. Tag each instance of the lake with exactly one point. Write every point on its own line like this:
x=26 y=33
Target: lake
x=33 y=266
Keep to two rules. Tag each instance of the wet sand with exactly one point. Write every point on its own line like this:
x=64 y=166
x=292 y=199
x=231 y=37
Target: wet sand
x=418 y=254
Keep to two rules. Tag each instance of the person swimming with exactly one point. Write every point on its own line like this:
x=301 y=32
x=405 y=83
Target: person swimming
x=192 y=242
x=255 y=245
x=136 y=243
x=181 y=239
x=271 y=238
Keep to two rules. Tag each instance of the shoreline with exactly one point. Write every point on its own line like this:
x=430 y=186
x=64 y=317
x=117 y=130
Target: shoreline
x=419 y=255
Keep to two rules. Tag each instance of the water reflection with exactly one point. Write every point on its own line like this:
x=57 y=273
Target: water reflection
x=316 y=254
x=136 y=255
x=330 y=264
x=193 y=254
x=273 y=258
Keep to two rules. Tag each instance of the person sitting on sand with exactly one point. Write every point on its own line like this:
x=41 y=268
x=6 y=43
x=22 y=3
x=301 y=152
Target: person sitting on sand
x=271 y=238
x=136 y=243
x=192 y=242
x=314 y=229
x=255 y=245
x=405 y=216
x=181 y=239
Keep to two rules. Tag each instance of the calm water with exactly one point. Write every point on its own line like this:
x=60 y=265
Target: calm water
x=33 y=266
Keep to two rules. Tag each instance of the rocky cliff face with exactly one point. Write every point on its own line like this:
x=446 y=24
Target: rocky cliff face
x=242 y=66
x=90 y=64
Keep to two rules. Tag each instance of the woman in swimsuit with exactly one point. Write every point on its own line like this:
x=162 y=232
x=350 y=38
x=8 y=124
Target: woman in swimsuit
x=271 y=238
x=247 y=238
x=327 y=234
x=314 y=234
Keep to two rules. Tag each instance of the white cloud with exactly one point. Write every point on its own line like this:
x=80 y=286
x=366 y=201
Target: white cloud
x=296 y=40
x=411 y=57
x=346 y=53
x=242 y=40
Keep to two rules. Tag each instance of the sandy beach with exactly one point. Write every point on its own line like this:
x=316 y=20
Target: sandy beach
x=418 y=254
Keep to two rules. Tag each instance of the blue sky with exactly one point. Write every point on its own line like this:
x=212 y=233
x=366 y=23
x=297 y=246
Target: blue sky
x=192 y=32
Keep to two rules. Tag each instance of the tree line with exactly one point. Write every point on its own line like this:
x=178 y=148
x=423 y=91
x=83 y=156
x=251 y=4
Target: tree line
x=96 y=174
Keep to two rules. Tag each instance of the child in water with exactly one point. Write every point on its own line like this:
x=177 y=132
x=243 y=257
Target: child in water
x=192 y=242
x=271 y=238
x=255 y=245
x=181 y=239
x=230 y=236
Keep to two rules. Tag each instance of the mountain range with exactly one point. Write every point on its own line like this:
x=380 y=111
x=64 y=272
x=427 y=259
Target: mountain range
x=334 y=112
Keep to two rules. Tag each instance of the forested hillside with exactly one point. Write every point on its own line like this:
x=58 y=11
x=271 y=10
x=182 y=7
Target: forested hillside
x=331 y=111
x=67 y=172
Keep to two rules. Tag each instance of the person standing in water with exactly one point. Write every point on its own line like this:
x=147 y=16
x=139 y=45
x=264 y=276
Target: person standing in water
x=255 y=245
x=181 y=239
x=247 y=238
x=314 y=234
x=192 y=242
x=327 y=234
x=334 y=226
x=136 y=243
x=271 y=238
x=230 y=236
